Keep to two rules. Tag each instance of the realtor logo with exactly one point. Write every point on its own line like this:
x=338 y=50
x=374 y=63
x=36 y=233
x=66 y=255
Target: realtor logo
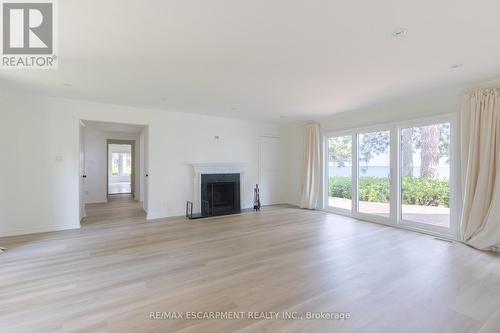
x=28 y=34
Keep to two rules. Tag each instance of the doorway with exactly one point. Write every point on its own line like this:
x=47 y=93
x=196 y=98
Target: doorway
x=108 y=176
x=120 y=167
x=81 y=174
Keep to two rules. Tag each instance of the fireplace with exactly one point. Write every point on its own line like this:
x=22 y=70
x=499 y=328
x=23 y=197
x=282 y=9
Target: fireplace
x=220 y=194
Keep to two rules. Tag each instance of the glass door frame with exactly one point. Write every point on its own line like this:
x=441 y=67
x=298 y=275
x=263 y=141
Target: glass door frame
x=354 y=212
x=392 y=177
x=454 y=202
x=326 y=168
x=395 y=218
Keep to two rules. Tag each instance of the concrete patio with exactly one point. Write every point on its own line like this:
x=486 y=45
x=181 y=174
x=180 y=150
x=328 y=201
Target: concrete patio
x=436 y=216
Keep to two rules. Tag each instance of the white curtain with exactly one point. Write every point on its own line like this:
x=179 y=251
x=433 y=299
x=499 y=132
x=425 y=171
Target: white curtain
x=480 y=144
x=311 y=170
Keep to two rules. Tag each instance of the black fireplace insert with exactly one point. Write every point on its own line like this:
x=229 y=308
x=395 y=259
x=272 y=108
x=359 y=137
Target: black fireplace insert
x=220 y=194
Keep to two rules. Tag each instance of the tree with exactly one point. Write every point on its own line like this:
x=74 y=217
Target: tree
x=407 y=151
x=430 y=151
x=444 y=141
x=340 y=150
x=372 y=144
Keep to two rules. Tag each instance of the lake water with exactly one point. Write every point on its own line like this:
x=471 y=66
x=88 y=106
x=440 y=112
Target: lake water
x=381 y=171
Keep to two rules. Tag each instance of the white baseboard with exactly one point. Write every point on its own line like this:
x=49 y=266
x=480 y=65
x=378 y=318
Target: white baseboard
x=156 y=216
x=36 y=230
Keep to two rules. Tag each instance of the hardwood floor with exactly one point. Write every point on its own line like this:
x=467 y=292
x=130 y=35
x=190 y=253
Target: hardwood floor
x=118 y=268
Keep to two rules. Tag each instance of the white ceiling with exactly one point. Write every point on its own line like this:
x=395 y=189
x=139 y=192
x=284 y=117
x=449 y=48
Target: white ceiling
x=265 y=59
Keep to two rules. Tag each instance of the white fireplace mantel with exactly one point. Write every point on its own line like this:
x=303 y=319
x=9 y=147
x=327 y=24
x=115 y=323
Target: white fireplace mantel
x=214 y=168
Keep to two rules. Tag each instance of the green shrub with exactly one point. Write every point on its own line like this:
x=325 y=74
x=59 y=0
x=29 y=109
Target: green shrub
x=416 y=191
x=374 y=189
x=340 y=187
x=426 y=192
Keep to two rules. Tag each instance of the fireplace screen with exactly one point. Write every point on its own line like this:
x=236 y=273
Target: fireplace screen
x=220 y=194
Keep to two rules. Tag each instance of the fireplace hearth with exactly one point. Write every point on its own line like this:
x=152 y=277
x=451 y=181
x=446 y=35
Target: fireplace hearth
x=216 y=173
x=220 y=195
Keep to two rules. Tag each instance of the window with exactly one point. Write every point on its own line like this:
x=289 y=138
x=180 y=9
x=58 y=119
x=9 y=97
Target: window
x=121 y=164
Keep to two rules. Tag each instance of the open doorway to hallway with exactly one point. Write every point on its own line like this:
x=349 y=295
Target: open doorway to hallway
x=114 y=166
x=121 y=166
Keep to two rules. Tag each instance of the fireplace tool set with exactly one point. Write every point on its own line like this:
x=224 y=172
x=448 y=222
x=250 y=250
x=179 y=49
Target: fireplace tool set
x=256 y=198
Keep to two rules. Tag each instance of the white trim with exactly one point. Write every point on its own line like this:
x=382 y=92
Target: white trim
x=324 y=173
x=337 y=133
x=404 y=227
x=326 y=166
x=339 y=211
x=452 y=231
x=355 y=162
x=37 y=230
x=201 y=167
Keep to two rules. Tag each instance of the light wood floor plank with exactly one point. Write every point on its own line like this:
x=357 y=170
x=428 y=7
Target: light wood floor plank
x=109 y=276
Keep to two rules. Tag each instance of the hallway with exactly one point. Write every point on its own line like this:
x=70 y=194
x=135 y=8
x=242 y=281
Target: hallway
x=120 y=188
x=120 y=209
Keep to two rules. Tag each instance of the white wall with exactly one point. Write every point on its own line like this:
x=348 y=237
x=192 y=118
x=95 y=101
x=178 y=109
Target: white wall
x=96 y=166
x=39 y=140
x=39 y=166
x=428 y=105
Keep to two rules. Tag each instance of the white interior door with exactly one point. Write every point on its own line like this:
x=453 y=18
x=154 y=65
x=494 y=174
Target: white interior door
x=270 y=173
x=82 y=175
x=145 y=171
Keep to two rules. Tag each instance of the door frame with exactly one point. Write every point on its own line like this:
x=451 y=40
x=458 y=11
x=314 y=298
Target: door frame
x=132 y=163
x=81 y=173
x=259 y=173
x=392 y=158
x=395 y=218
x=452 y=231
x=326 y=167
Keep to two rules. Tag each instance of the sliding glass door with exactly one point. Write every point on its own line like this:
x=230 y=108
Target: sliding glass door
x=425 y=174
x=374 y=173
x=399 y=174
x=339 y=172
